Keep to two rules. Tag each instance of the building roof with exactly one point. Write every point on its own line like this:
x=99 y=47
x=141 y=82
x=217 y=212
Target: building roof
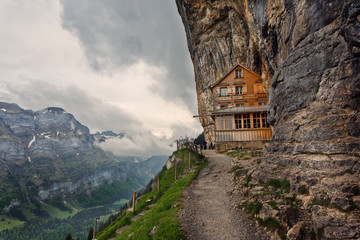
x=232 y=69
x=246 y=109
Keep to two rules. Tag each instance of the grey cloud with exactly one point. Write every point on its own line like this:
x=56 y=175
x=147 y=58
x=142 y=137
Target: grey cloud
x=89 y=110
x=116 y=33
x=141 y=144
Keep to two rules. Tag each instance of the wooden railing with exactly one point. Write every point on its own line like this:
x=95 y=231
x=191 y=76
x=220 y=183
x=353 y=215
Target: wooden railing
x=243 y=135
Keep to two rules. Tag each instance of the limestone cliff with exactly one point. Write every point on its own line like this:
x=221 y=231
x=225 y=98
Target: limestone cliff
x=307 y=53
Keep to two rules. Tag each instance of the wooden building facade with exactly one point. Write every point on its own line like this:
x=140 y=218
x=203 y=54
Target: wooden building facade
x=240 y=107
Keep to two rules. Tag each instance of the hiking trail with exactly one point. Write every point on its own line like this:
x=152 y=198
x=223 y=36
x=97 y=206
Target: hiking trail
x=209 y=211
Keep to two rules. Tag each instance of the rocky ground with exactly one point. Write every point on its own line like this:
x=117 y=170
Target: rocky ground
x=303 y=196
x=316 y=198
x=210 y=210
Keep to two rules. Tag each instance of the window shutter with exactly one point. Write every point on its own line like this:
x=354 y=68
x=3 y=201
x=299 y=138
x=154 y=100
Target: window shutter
x=218 y=91
x=261 y=88
x=229 y=89
x=245 y=89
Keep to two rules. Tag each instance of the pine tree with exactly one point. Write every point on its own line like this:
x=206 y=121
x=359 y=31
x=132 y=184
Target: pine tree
x=68 y=237
x=90 y=235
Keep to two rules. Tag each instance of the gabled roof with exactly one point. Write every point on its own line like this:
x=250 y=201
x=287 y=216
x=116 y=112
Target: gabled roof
x=232 y=69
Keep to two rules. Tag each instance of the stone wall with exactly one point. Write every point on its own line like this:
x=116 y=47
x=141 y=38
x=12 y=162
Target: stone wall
x=225 y=146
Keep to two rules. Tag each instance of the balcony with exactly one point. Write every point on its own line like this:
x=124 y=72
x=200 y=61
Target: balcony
x=262 y=108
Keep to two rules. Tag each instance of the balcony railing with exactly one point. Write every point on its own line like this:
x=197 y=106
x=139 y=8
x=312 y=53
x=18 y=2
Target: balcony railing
x=261 y=108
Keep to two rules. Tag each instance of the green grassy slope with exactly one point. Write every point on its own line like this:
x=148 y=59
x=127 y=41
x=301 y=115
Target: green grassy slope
x=157 y=212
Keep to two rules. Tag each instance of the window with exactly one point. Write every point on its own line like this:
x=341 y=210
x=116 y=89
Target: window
x=223 y=91
x=238 y=73
x=228 y=122
x=239 y=90
x=238 y=121
x=240 y=105
x=264 y=120
x=224 y=106
x=256 y=120
x=224 y=122
x=260 y=88
x=246 y=120
x=262 y=103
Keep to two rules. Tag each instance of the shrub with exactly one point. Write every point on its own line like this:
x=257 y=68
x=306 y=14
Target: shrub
x=273 y=204
x=303 y=190
x=254 y=207
x=270 y=223
x=274 y=183
x=285 y=185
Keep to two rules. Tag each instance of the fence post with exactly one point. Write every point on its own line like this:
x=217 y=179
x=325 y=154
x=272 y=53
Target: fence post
x=175 y=169
x=133 y=206
x=158 y=183
x=189 y=160
x=95 y=226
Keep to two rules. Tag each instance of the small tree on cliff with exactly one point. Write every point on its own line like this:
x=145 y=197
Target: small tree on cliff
x=68 y=237
x=90 y=235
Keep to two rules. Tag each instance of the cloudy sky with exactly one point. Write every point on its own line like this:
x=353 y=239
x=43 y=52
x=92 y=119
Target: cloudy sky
x=114 y=64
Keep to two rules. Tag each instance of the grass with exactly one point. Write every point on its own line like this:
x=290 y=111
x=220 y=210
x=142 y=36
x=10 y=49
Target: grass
x=278 y=75
x=303 y=190
x=283 y=185
x=8 y=223
x=273 y=204
x=238 y=153
x=55 y=212
x=256 y=153
x=254 y=207
x=247 y=180
x=121 y=202
x=271 y=224
x=236 y=167
x=322 y=202
x=337 y=207
x=163 y=214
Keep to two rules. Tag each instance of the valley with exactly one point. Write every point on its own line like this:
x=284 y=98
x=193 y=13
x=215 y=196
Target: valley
x=55 y=179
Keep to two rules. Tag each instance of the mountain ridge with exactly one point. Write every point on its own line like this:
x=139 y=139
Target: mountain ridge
x=48 y=154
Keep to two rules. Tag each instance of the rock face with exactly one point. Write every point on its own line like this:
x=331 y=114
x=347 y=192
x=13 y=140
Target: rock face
x=49 y=133
x=307 y=53
x=49 y=154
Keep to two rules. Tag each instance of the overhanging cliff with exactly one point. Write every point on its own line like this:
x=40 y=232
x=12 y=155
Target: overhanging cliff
x=307 y=54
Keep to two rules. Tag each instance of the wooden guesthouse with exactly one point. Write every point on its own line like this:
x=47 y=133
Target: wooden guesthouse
x=240 y=107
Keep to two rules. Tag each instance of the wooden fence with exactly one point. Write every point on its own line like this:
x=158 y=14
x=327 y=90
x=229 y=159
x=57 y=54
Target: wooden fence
x=243 y=135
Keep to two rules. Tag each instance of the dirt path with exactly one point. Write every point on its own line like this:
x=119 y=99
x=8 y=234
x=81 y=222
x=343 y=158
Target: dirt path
x=209 y=212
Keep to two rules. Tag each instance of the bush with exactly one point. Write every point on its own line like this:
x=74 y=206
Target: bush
x=270 y=223
x=254 y=207
x=303 y=190
x=273 y=204
x=285 y=185
x=274 y=183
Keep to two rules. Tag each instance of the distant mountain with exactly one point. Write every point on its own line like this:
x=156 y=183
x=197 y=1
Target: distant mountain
x=48 y=154
x=106 y=135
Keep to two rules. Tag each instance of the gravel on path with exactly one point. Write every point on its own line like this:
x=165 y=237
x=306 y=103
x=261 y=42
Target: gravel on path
x=209 y=212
